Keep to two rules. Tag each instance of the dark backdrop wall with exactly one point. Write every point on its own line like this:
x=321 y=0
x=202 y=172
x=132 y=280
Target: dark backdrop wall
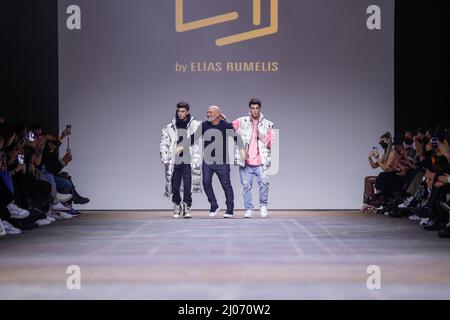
x=422 y=63
x=29 y=62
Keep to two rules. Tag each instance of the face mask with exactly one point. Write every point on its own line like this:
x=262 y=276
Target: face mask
x=384 y=145
x=408 y=141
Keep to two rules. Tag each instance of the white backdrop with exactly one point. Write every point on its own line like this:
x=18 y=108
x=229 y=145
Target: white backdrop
x=332 y=96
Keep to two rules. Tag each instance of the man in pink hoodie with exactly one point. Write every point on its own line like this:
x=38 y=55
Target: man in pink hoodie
x=257 y=134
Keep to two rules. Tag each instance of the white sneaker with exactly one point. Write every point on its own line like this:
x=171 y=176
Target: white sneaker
x=43 y=222
x=424 y=221
x=264 y=212
x=2 y=229
x=54 y=215
x=405 y=204
x=228 y=216
x=17 y=212
x=65 y=215
x=62 y=198
x=177 y=210
x=60 y=207
x=51 y=219
x=10 y=229
x=414 y=217
x=214 y=213
x=248 y=214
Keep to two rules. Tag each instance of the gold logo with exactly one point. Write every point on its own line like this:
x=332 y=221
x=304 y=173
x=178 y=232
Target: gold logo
x=182 y=26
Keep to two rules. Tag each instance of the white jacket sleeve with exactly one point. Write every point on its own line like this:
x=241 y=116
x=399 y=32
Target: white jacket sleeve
x=164 y=147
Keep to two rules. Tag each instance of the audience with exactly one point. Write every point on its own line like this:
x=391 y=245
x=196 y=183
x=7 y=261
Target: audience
x=414 y=181
x=34 y=189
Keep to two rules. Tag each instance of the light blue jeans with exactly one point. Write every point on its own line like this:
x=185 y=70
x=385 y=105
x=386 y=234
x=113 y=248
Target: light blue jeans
x=247 y=173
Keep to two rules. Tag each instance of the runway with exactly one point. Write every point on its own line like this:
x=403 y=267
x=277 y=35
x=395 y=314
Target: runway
x=291 y=255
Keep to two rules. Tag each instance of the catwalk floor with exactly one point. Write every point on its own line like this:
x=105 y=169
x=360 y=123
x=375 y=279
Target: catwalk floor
x=292 y=255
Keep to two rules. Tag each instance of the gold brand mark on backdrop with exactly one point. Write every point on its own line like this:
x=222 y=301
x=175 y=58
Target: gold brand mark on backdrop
x=182 y=26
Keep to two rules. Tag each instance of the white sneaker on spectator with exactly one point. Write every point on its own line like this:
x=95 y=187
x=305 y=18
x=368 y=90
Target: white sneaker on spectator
x=405 y=204
x=264 y=212
x=51 y=219
x=424 y=221
x=65 y=215
x=2 y=229
x=10 y=229
x=248 y=214
x=17 y=212
x=54 y=215
x=43 y=222
x=62 y=198
x=414 y=217
x=60 y=207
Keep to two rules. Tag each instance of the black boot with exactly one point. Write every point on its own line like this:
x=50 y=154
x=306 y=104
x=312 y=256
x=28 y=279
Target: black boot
x=77 y=199
x=444 y=233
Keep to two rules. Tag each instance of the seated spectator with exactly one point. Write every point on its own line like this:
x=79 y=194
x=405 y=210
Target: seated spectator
x=29 y=194
x=51 y=163
x=370 y=199
x=417 y=173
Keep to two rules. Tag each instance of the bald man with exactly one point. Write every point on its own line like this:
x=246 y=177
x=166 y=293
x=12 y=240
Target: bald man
x=215 y=132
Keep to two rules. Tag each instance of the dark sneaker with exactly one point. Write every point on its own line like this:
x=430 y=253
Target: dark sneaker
x=424 y=212
x=80 y=200
x=24 y=224
x=186 y=211
x=444 y=232
x=394 y=214
x=432 y=226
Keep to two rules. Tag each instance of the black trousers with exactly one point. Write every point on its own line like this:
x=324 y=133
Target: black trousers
x=388 y=183
x=223 y=173
x=438 y=195
x=182 y=172
x=28 y=188
x=6 y=197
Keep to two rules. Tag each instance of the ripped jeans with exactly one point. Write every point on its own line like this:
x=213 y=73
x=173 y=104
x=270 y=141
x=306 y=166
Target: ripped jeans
x=247 y=173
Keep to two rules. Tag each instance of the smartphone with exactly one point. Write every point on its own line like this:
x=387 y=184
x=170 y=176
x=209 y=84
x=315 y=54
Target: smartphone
x=434 y=142
x=374 y=151
x=31 y=136
x=21 y=158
